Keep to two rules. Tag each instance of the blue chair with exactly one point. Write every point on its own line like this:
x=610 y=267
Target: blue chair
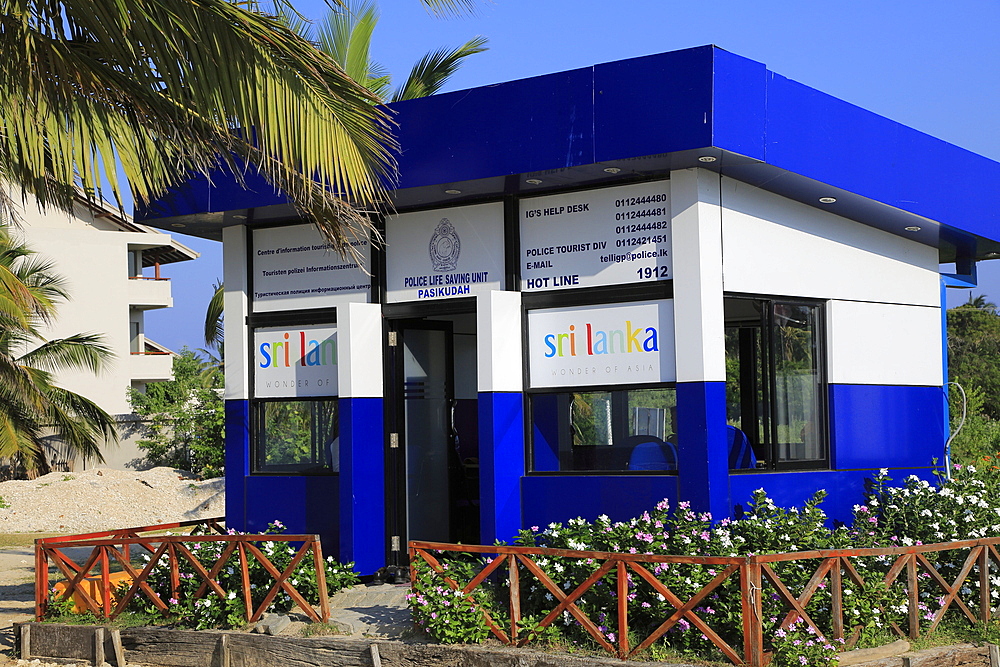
x=651 y=453
x=741 y=454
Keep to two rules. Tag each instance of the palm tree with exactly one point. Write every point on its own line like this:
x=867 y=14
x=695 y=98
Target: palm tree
x=979 y=302
x=169 y=88
x=32 y=407
x=345 y=35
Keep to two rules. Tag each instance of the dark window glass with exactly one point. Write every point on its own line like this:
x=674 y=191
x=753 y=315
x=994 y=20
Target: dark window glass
x=297 y=436
x=631 y=429
x=774 y=384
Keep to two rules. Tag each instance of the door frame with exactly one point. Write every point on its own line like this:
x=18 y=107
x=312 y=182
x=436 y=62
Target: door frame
x=397 y=510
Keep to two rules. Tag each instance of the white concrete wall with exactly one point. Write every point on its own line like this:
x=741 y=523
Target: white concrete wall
x=882 y=290
x=697 y=250
x=236 y=305
x=773 y=245
x=498 y=342
x=878 y=343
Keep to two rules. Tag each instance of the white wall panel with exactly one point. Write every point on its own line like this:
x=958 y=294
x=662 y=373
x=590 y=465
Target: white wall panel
x=498 y=339
x=772 y=245
x=697 y=250
x=359 y=333
x=877 y=343
x=237 y=341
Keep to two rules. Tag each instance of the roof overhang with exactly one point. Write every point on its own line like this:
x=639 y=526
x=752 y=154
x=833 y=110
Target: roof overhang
x=643 y=117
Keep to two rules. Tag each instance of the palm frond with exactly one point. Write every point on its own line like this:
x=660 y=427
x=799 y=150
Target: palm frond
x=450 y=7
x=81 y=351
x=214 y=324
x=89 y=83
x=435 y=68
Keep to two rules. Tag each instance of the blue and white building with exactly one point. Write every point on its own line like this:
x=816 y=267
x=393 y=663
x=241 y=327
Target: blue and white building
x=681 y=276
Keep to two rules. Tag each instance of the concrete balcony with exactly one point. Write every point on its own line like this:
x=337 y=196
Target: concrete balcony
x=149 y=293
x=151 y=366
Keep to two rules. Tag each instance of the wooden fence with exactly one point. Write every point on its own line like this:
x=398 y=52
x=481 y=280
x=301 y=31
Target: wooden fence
x=912 y=568
x=99 y=593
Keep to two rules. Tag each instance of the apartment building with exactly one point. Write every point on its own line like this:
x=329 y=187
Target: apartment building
x=112 y=269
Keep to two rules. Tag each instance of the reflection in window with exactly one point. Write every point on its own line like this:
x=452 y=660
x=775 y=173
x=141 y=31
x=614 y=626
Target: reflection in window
x=774 y=386
x=605 y=430
x=297 y=436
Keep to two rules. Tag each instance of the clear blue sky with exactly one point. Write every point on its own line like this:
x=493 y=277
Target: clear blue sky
x=931 y=65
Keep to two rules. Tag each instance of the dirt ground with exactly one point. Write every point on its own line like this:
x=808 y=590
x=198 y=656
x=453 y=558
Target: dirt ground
x=17 y=591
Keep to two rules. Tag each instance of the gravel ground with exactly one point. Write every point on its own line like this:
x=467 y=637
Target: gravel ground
x=89 y=501
x=104 y=499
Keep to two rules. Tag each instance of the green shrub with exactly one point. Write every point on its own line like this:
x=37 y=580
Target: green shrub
x=211 y=611
x=916 y=512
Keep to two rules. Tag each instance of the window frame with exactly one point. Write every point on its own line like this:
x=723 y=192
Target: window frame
x=619 y=428
x=766 y=452
x=257 y=465
x=605 y=295
x=286 y=318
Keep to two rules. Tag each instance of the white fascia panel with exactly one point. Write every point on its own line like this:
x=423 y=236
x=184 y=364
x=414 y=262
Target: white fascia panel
x=359 y=350
x=774 y=245
x=237 y=336
x=696 y=248
x=885 y=344
x=498 y=339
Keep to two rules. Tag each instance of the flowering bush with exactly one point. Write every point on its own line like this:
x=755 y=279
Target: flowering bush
x=230 y=612
x=917 y=512
x=446 y=615
x=799 y=645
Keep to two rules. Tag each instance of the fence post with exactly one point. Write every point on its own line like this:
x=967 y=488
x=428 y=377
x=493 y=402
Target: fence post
x=914 y=598
x=837 y=598
x=515 y=597
x=318 y=562
x=985 y=607
x=41 y=580
x=753 y=632
x=622 y=610
x=106 y=582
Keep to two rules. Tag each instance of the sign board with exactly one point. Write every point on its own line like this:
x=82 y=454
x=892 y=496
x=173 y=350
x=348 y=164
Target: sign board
x=292 y=362
x=609 y=236
x=444 y=253
x=628 y=343
x=294 y=267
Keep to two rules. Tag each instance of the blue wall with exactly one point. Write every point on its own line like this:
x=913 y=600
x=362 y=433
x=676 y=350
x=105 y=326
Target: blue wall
x=501 y=464
x=548 y=498
x=845 y=488
x=362 y=487
x=875 y=426
x=305 y=504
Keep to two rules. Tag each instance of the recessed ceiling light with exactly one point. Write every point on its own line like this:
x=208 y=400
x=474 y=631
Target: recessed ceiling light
x=612 y=170
x=992 y=255
x=239 y=217
x=707 y=158
x=453 y=192
x=911 y=228
x=178 y=225
x=534 y=181
x=827 y=200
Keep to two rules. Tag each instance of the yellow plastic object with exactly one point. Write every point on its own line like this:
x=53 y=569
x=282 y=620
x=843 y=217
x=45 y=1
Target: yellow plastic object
x=92 y=587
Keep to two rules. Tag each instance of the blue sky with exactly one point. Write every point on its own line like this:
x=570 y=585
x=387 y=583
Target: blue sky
x=930 y=65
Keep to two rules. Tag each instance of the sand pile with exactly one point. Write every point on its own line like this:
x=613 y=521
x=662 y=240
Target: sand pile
x=102 y=499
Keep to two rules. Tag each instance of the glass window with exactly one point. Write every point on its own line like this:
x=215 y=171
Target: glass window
x=624 y=430
x=297 y=436
x=774 y=385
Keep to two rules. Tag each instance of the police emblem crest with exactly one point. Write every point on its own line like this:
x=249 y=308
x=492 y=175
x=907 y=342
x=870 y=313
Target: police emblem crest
x=445 y=247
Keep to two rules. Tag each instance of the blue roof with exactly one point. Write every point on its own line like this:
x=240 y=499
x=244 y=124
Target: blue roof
x=646 y=116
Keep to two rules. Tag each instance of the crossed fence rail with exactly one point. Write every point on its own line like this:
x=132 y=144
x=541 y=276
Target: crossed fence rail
x=912 y=568
x=114 y=548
